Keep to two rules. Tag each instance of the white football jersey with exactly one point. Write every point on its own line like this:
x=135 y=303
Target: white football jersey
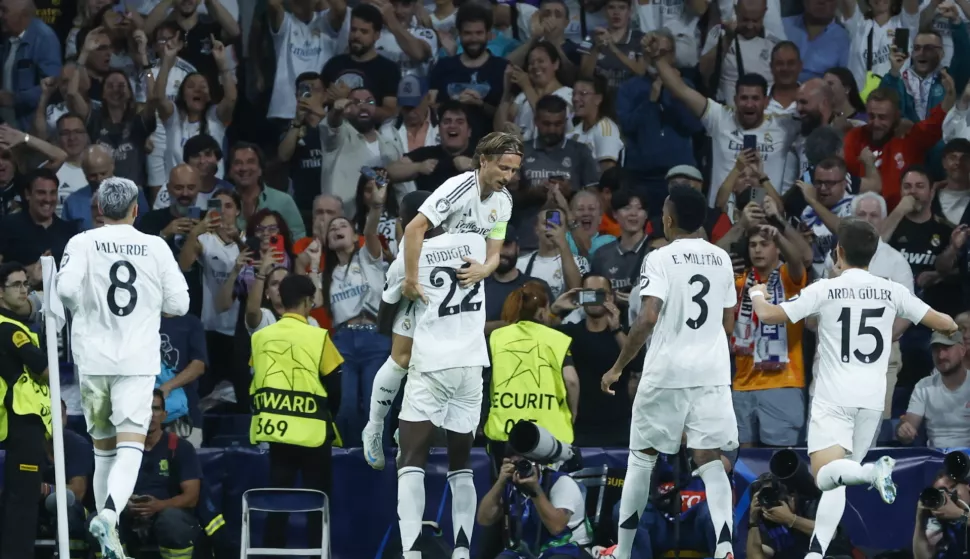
x=689 y=348
x=117 y=282
x=457 y=205
x=450 y=329
x=855 y=328
x=603 y=139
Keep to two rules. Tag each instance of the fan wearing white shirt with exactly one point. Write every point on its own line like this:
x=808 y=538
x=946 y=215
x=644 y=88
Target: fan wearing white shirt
x=728 y=126
x=873 y=33
x=685 y=389
x=117 y=282
x=407 y=44
x=591 y=126
x=553 y=262
x=941 y=399
x=304 y=40
x=855 y=312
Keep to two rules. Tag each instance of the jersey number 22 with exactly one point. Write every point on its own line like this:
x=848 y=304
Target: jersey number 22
x=446 y=308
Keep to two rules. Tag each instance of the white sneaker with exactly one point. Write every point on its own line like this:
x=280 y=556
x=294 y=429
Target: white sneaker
x=107 y=536
x=882 y=479
x=373 y=445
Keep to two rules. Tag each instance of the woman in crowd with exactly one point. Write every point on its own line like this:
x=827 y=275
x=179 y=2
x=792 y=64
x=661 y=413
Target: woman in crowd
x=193 y=112
x=846 y=101
x=540 y=80
x=592 y=124
x=126 y=40
x=119 y=124
x=52 y=103
x=526 y=310
x=388 y=229
x=266 y=234
x=352 y=280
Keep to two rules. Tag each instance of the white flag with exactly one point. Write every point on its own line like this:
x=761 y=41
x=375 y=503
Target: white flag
x=52 y=303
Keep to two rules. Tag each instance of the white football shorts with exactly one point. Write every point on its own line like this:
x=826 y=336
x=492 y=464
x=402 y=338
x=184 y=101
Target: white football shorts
x=851 y=428
x=115 y=404
x=405 y=321
x=450 y=399
x=661 y=417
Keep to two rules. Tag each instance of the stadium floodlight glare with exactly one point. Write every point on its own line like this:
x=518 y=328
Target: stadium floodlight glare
x=531 y=441
x=793 y=472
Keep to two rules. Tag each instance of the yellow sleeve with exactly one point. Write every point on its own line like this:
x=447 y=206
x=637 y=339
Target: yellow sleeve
x=330 y=358
x=498 y=232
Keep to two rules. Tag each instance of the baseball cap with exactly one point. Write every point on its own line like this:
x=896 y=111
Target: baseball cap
x=410 y=92
x=685 y=171
x=942 y=339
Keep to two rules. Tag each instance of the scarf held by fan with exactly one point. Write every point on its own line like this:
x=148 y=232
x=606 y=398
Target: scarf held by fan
x=766 y=343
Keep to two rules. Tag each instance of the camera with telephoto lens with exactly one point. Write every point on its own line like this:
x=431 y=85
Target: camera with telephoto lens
x=957 y=466
x=532 y=442
x=525 y=468
x=772 y=494
x=793 y=473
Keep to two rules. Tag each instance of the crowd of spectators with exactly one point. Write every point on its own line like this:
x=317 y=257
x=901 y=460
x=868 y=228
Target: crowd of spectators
x=262 y=133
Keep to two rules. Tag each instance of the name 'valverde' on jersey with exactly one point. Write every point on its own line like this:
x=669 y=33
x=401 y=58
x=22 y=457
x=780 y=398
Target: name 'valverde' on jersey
x=117 y=282
x=855 y=313
x=448 y=330
x=458 y=207
x=689 y=348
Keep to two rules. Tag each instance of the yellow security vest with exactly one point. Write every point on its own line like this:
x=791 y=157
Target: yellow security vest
x=289 y=398
x=29 y=396
x=527 y=380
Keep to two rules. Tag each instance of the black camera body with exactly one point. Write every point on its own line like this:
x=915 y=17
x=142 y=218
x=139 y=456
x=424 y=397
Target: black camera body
x=525 y=468
x=772 y=494
x=932 y=498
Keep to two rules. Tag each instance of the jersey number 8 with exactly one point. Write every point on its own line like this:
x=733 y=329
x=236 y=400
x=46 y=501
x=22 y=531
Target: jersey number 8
x=466 y=305
x=127 y=285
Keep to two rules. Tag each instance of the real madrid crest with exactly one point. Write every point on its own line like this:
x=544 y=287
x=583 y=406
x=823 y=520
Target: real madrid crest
x=935 y=241
x=493 y=217
x=407 y=324
x=442 y=206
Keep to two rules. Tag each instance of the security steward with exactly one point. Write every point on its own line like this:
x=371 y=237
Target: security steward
x=295 y=394
x=25 y=416
x=533 y=377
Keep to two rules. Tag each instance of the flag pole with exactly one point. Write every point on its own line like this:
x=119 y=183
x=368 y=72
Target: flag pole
x=52 y=325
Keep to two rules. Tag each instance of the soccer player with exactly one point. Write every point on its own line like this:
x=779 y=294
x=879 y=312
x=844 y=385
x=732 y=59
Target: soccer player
x=855 y=313
x=444 y=387
x=117 y=282
x=686 y=382
x=472 y=202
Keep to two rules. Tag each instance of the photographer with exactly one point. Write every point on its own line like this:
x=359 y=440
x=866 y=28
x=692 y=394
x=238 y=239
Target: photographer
x=780 y=522
x=544 y=511
x=941 y=520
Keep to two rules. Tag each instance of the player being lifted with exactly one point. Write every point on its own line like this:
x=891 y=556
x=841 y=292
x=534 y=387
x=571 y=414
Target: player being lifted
x=472 y=202
x=855 y=313
x=686 y=383
x=117 y=282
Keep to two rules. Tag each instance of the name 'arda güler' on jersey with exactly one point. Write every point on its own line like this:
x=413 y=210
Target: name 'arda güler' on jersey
x=865 y=293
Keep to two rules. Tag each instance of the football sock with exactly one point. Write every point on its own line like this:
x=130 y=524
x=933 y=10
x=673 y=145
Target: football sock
x=121 y=480
x=103 y=460
x=827 y=518
x=387 y=383
x=839 y=473
x=633 y=500
x=464 y=500
x=410 y=508
x=720 y=503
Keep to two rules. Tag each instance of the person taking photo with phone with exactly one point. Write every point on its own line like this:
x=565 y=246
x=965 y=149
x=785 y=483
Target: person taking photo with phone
x=176 y=221
x=553 y=262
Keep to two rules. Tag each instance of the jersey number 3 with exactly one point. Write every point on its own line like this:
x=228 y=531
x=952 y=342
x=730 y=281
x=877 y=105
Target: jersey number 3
x=695 y=323
x=445 y=308
x=127 y=285
x=845 y=317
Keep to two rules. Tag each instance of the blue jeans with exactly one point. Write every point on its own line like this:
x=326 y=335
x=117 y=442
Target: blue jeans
x=655 y=534
x=364 y=351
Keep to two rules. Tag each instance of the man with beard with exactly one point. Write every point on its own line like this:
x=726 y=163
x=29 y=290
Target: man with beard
x=504 y=280
x=922 y=86
x=202 y=153
x=894 y=150
x=362 y=67
x=37 y=229
x=727 y=126
x=550 y=162
x=351 y=141
x=474 y=78
x=430 y=166
x=749 y=35
x=174 y=222
x=197 y=33
x=937 y=396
